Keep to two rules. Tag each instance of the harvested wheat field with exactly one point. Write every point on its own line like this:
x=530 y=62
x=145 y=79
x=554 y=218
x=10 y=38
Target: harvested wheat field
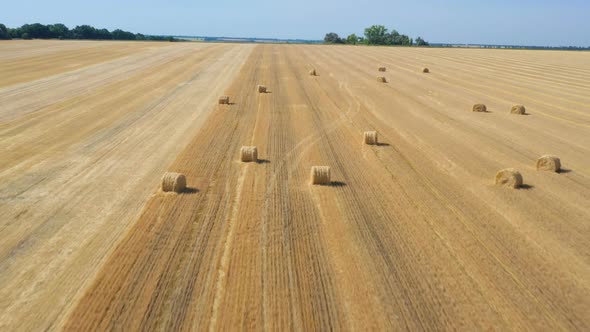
x=411 y=233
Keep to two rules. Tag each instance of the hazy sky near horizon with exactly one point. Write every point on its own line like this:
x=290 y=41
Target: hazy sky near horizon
x=522 y=22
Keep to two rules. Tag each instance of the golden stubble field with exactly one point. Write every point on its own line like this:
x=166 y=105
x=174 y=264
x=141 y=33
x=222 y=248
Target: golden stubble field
x=411 y=235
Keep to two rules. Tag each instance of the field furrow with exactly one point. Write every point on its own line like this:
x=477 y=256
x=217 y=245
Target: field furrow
x=410 y=234
x=77 y=171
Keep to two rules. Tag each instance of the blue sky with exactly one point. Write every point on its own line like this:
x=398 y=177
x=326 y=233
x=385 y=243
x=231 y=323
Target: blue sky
x=523 y=22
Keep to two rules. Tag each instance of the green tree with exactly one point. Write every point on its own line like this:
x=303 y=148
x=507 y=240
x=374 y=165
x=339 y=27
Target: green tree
x=421 y=42
x=14 y=33
x=104 y=34
x=36 y=30
x=40 y=31
x=376 y=35
x=352 y=39
x=333 y=38
x=123 y=35
x=84 y=32
x=59 y=31
x=393 y=38
x=404 y=40
x=4 y=34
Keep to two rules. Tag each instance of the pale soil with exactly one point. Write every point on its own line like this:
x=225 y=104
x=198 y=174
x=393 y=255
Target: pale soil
x=82 y=152
x=411 y=235
x=25 y=61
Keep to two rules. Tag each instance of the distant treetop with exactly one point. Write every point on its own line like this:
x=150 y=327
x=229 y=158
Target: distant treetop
x=333 y=38
x=376 y=35
x=60 y=31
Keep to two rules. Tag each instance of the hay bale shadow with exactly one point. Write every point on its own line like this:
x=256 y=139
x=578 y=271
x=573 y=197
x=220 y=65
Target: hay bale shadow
x=190 y=190
x=263 y=161
x=526 y=187
x=383 y=144
x=564 y=170
x=527 y=113
x=336 y=184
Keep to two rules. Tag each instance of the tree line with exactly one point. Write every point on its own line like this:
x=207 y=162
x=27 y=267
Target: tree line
x=60 y=31
x=375 y=35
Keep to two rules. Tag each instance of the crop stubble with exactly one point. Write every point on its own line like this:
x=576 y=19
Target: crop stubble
x=412 y=233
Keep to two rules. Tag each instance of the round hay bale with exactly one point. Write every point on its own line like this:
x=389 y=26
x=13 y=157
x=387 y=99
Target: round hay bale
x=381 y=79
x=509 y=177
x=320 y=175
x=261 y=88
x=224 y=100
x=313 y=72
x=370 y=137
x=249 y=154
x=382 y=69
x=518 y=109
x=173 y=182
x=548 y=163
x=426 y=70
x=480 y=108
